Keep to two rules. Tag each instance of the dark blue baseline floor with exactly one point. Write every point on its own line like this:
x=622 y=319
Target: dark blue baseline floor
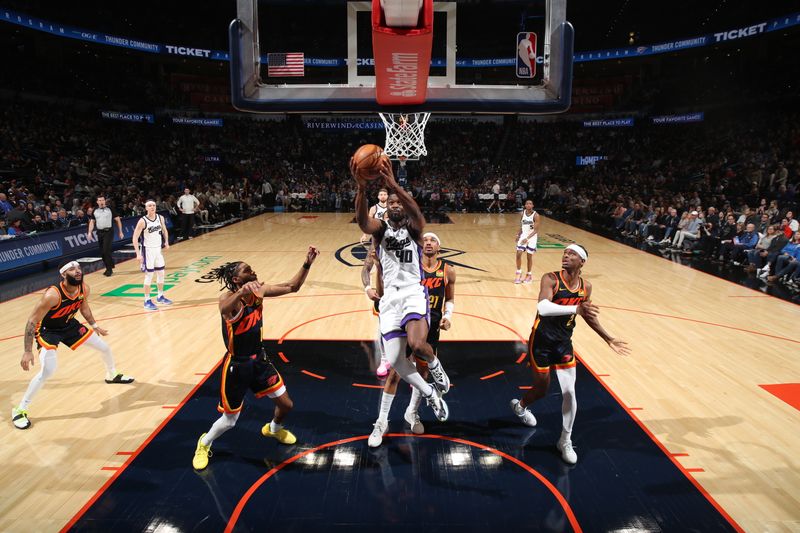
x=622 y=479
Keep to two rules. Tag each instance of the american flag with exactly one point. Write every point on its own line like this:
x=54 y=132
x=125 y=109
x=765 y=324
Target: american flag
x=285 y=64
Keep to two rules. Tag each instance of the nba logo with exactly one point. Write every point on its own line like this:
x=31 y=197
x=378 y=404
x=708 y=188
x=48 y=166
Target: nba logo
x=526 y=55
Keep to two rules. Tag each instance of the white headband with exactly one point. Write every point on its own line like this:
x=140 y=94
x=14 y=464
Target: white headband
x=578 y=249
x=68 y=266
x=432 y=234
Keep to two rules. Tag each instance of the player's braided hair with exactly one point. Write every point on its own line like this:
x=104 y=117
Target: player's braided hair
x=225 y=275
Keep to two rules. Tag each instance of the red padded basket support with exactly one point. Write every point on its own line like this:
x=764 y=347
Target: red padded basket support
x=402 y=58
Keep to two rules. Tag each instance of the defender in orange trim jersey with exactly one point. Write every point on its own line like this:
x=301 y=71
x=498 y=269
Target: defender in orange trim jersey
x=53 y=322
x=246 y=364
x=439 y=281
x=562 y=296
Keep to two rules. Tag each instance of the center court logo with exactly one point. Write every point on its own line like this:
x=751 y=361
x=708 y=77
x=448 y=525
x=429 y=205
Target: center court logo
x=353 y=255
x=134 y=290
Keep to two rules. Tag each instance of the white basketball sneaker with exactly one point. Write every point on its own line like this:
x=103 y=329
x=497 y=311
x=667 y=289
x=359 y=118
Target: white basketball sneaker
x=376 y=437
x=567 y=452
x=440 y=379
x=19 y=417
x=413 y=420
x=438 y=405
x=525 y=416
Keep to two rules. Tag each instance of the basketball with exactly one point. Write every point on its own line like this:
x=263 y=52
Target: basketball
x=367 y=160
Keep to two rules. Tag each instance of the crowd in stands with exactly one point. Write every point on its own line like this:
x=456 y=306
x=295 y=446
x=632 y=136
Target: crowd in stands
x=728 y=193
x=726 y=189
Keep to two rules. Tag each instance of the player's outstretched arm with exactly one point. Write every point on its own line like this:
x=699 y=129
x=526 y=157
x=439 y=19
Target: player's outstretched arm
x=50 y=299
x=294 y=284
x=409 y=204
x=618 y=345
x=368 y=224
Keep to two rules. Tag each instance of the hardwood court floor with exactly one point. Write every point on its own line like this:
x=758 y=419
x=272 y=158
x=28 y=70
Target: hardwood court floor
x=703 y=348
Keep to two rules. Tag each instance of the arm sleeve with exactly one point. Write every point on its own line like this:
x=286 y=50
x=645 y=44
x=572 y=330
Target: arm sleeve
x=548 y=308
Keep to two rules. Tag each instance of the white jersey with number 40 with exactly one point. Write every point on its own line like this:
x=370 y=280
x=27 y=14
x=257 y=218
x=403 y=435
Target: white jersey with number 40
x=400 y=257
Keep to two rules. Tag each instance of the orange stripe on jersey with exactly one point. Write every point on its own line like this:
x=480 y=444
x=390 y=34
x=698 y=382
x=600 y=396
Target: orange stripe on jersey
x=41 y=341
x=271 y=389
x=571 y=364
x=83 y=339
x=539 y=369
x=226 y=407
x=45 y=344
x=229 y=346
x=434 y=269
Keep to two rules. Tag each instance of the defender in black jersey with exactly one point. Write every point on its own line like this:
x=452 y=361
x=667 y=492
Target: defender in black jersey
x=246 y=365
x=439 y=281
x=562 y=297
x=52 y=323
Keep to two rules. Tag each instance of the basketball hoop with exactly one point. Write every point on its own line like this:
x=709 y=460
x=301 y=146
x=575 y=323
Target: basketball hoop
x=405 y=135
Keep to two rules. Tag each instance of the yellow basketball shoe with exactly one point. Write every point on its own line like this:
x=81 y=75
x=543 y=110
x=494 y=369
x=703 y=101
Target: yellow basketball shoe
x=201 y=454
x=283 y=435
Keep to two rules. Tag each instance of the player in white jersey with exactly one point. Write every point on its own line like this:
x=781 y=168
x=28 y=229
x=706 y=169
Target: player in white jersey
x=378 y=211
x=527 y=238
x=404 y=304
x=149 y=236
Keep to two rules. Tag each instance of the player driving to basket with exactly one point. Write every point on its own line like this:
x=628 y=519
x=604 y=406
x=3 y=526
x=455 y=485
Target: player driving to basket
x=404 y=305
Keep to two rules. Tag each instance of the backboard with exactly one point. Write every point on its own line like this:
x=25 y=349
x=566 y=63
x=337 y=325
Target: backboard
x=317 y=56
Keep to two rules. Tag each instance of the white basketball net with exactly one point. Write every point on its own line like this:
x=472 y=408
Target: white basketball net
x=405 y=135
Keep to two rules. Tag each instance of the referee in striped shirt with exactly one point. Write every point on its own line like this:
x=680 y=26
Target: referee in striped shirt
x=103 y=218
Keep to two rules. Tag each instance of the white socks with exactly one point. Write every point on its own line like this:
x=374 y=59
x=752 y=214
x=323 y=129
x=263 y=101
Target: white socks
x=148 y=279
x=160 y=282
x=386 y=406
x=274 y=427
x=416 y=399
